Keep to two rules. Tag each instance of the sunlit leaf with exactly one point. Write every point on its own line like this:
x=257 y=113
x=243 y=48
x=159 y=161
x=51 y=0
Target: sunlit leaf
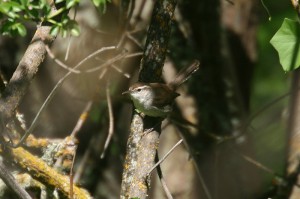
x=286 y=42
x=54 y=30
x=71 y=3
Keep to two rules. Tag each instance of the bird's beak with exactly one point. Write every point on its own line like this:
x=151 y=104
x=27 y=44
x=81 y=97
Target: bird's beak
x=126 y=92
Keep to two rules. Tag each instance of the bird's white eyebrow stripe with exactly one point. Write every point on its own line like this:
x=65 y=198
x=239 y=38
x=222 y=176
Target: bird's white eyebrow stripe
x=141 y=87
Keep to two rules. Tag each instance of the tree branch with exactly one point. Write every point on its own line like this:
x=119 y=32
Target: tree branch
x=40 y=170
x=10 y=181
x=144 y=133
x=25 y=72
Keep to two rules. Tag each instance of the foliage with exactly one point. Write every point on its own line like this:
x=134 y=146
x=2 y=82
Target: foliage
x=101 y=4
x=15 y=13
x=286 y=42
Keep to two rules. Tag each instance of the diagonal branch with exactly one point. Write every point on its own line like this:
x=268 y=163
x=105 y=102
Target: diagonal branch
x=25 y=72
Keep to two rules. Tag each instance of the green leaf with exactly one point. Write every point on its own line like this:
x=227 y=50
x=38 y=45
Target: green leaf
x=286 y=41
x=101 y=4
x=59 y=1
x=8 y=9
x=54 y=30
x=13 y=28
x=75 y=30
x=64 y=32
x=71 y=3
x=21 y=29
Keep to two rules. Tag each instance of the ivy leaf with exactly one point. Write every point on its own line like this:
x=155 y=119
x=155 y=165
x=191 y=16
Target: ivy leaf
x=286 y=41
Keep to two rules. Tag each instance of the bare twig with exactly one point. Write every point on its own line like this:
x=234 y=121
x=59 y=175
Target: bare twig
x=161 y=178
x=111 y=121
x=84 y=160
x=134 y=40
x=60 y=63
x=52 y=93
x=82 y=118
x=165 y=156
x=107 y=63
x=70 y=37
x=133 y=55
x=113 y=60
x=10 y=181
x=258 y=164
x=127 y=75
x=72 y=174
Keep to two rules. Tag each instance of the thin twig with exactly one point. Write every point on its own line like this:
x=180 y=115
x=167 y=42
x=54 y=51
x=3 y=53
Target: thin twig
x=84 y=160
x=111 y=121
x=113 y=60
x=72 y=174
x=161 y=178
x=10 y=181
x=60 y=63
x=165 y=156
x=107 y=63
x=82 y=118
x=138 y=15
x=134 y=40
x=200 y=176
x=70 y=37
x=51 y=95
x=127 y=75
x=133 y=55
x=258 y=164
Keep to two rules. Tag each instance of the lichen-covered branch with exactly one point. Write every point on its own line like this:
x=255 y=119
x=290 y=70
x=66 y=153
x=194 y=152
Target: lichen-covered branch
x=144 y=133
x=157 y=41
x=40 y=170
x=10 y=181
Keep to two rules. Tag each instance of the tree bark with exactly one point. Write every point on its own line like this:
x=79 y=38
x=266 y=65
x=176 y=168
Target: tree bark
x=142 y=145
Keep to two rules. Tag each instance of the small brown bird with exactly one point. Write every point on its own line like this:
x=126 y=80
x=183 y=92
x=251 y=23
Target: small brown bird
x=156 y=99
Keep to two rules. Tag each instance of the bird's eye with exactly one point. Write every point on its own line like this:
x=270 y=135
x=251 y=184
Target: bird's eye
x=139 y=90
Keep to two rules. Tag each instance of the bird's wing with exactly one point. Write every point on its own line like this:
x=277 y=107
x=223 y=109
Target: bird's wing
x=163 y=95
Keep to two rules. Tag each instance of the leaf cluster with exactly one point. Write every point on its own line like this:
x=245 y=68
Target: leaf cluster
x=14 y=14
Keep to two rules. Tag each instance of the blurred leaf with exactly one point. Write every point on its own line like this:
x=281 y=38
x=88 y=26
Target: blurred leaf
x=101 y=4
x=286 y=42
x=33 y=13
x=64 y=32
x=54 y=30
x=21 y=29
x=13 y=28
x=10 y=9
x=71 y=3
x=24 y=2
x=75 y=30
